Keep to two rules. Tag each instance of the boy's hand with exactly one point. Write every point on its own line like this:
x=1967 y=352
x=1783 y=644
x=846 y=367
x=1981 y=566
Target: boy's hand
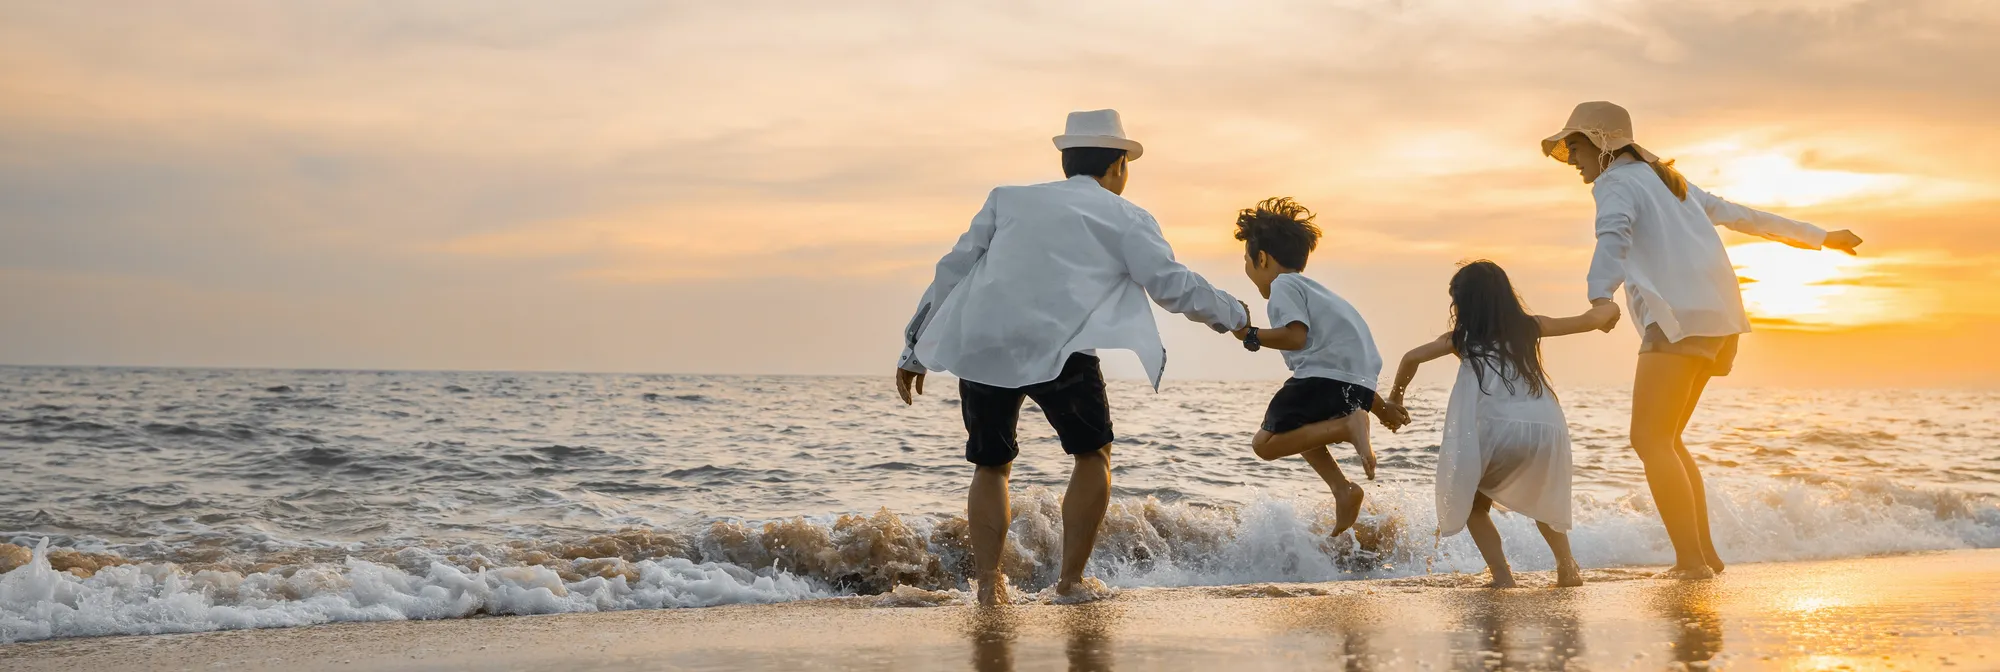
x=904 y=381
x=1392 y=415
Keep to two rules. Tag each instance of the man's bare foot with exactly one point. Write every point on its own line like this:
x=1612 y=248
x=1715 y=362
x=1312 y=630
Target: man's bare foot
x=1678 y=573
x=1086 y=589
x=1568 y=575
x=993 y=590
x=1347 y=507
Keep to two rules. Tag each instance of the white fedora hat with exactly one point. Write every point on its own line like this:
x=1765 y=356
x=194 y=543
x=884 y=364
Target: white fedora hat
x=1098 y=128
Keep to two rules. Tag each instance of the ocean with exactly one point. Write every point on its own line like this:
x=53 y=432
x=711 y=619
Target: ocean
x=175 y=500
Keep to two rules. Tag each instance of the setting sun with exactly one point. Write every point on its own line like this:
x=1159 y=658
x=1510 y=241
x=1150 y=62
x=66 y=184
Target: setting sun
x=1812 y=290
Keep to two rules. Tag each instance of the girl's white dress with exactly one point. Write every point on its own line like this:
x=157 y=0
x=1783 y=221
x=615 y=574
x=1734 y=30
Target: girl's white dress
x=1510 y=445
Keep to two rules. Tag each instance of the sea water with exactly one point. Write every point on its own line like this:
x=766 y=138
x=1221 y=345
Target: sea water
x=176 y=500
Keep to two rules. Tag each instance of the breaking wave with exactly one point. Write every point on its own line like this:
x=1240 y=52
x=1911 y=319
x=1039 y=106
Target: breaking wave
x=914 y=560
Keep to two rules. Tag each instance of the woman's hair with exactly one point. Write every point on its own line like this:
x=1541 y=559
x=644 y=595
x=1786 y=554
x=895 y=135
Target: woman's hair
x=1665 y=169
x=1092 y=161
x=1281 y=228
x=1492 y=331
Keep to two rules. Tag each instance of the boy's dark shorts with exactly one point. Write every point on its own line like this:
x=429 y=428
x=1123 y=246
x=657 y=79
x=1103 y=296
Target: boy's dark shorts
x=1074 y=403
x=1303 y=401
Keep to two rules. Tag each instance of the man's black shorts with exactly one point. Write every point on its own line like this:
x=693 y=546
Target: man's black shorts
x=1303 y=401
x=1074 y=402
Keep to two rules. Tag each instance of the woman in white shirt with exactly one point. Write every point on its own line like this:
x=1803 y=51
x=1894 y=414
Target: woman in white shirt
x=1656 y=237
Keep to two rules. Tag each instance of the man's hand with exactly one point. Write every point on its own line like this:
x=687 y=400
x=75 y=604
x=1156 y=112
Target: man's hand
x=906 y=379
x=1843 y=240
x=1243 y=332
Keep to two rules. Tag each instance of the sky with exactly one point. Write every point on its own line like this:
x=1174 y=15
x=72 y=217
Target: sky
x=763 y=188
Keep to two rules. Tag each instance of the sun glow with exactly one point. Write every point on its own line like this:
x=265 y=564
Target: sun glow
x=1815 y=290
x=1779 y=180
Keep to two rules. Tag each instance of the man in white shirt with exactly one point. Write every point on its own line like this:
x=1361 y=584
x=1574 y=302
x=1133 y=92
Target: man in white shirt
x=1047 y=275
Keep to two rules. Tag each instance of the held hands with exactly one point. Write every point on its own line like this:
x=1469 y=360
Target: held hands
x=1603 y=312
x=1392 y=414
x=906 y=379
x=1243 y=332
x=1843 y=240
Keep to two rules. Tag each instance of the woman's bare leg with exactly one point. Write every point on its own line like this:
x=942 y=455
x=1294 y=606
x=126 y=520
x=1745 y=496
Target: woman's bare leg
x=1568 y=575
x=1659 y=404
x=1694 y=477
x=1487 y=538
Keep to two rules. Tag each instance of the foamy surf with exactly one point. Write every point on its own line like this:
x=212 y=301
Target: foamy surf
x=923 y=560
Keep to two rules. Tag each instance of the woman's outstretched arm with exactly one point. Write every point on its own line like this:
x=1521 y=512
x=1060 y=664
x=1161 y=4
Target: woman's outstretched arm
x=1407 y=370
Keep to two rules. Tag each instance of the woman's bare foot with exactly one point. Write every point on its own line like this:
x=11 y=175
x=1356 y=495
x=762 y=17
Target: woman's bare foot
x=993 y=590
x=1568 y=575
x=1714 y=563
x=1347 y=507
x=1678 y=573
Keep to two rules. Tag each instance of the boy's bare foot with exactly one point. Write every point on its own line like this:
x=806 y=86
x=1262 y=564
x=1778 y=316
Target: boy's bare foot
x=1357 y=434
x=1678 y=573
x=1568 y=575
x=1347 y=507
x=993 y=590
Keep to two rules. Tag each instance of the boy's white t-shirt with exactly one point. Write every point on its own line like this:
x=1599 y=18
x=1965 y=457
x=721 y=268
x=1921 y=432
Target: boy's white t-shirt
x=1338 y=344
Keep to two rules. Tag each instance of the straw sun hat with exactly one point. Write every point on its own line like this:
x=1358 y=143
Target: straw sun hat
x=1606 y=125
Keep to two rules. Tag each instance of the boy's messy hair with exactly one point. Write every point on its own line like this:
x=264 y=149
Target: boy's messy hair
x=1281 y=228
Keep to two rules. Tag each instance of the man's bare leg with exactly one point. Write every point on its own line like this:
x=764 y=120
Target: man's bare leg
x=1568 y=575
x=988 y=513
x=1083 y=508
x=1487 y=537
x=1347 y=495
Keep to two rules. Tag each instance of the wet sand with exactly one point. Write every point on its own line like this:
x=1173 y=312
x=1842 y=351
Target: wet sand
x=1906 y=612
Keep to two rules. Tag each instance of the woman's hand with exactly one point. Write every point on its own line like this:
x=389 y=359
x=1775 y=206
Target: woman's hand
x=905 y=379
x=1605 y=314
x=1843 y=240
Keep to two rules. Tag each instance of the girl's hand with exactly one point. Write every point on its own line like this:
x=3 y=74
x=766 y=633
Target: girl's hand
x=1605 y=313
x=1843 y=240
x=1392 y=414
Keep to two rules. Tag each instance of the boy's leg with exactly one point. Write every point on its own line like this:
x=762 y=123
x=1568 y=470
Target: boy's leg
x=1567 y=573
x=1487 y=538
x=1320 y=434
x=988 y=512
x=1083 y=509
x=1347 y=495
x=1694 y=477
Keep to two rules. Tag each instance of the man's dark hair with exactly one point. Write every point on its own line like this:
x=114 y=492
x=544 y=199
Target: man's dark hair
x=1281 y=228
x=1092 y=161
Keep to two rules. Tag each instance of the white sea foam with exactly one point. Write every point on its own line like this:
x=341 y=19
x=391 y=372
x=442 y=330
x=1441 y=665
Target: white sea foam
x=921 y=560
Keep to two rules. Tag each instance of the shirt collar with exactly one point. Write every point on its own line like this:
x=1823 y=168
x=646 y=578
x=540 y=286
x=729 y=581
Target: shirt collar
x=1621 y=160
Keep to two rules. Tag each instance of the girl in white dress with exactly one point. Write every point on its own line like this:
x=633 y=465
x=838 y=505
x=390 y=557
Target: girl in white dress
x=1505 y=439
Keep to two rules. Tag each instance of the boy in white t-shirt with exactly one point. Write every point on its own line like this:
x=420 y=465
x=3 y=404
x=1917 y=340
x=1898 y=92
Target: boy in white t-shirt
x=1327 y=346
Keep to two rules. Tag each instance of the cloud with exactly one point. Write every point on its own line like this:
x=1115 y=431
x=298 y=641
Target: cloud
x=381 y=154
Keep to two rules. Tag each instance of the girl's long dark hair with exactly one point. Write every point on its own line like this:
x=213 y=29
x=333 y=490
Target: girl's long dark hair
x=1492 y=331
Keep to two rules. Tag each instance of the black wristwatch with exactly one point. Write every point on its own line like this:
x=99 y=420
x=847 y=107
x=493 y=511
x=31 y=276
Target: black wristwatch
x=1250 y=341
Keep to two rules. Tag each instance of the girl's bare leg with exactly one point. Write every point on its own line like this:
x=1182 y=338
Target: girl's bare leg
x=1568 y=575
x=1487 y=538
x=1694 y=477
x=1659 y=403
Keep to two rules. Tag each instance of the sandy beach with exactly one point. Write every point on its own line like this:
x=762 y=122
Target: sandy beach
x=1922 y=611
